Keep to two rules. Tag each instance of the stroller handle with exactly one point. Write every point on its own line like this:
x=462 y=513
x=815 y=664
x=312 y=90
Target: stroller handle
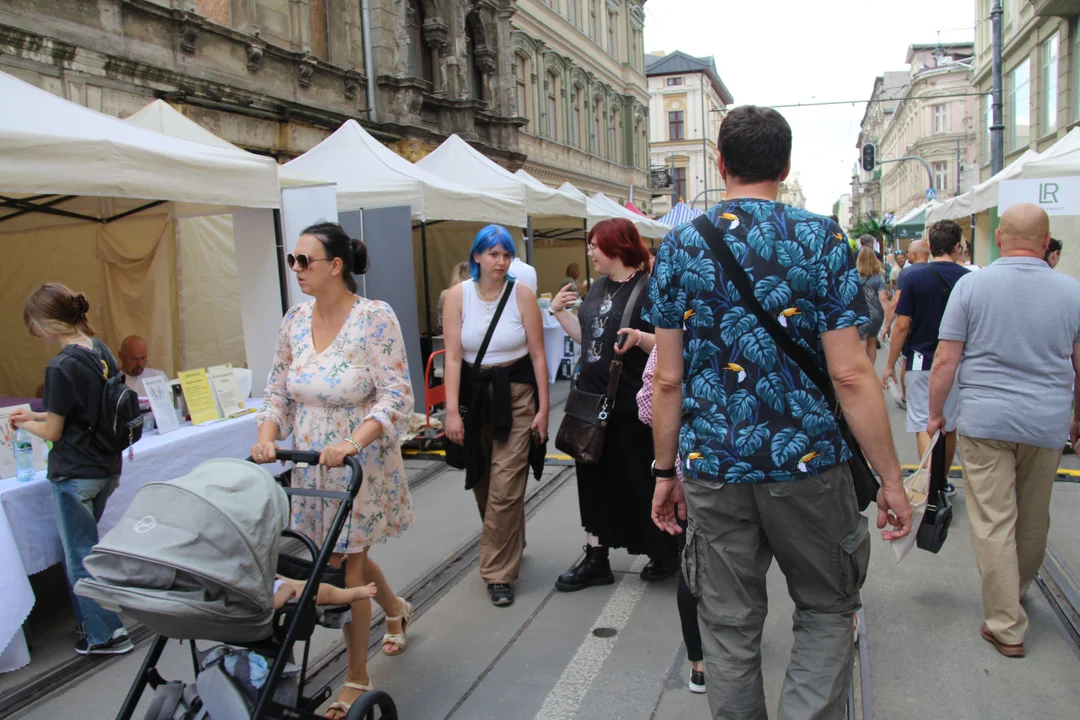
x=311 y=457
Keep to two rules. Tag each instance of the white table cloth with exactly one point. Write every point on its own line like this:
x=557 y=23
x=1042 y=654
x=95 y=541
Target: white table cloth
x=30 y=542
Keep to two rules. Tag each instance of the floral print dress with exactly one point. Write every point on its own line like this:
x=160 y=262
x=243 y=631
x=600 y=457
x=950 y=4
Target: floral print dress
x=322 y=398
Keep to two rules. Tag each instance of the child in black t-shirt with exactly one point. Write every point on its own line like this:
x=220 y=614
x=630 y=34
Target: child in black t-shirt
x=83 y=474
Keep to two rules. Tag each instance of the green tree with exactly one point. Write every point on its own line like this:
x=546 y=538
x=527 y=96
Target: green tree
x=870 y=226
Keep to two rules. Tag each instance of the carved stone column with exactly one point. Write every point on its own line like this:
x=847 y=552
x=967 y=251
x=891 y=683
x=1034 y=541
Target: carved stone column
x=486 y=62
x=437 y=37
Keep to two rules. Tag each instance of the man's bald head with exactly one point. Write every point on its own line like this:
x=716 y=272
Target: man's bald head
x=1024 y=230
x=133 y=352
x=918 y=251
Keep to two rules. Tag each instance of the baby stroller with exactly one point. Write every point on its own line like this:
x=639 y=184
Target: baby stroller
x=195 y=559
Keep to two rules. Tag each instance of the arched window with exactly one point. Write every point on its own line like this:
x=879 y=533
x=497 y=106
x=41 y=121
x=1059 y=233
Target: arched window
x=521 y=75
x=476 y=75
x=551 y=90
x=420 y=55
x=619 y=141
x=598 y=125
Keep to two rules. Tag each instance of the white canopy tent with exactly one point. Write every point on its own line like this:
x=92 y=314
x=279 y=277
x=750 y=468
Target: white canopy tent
x=369 y=175
x=603 y=205
x=99 y=198
x=210 y=312
x=983 y=196
x=1062 y=159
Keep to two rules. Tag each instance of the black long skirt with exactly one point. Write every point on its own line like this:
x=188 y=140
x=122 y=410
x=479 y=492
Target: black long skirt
x=615 y=496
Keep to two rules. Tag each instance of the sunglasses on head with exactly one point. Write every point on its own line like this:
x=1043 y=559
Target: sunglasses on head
x=300 y=261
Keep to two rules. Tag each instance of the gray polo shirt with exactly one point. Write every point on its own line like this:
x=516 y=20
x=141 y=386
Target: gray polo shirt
x=1018 y=320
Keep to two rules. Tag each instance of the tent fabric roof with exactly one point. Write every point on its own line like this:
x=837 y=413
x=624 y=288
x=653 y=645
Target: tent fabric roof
x=633 y=208
x=1061 y=159
x=369 y=174
x=984 y=195
x=912 y=224
x=681 y=213
x=162 y=117
x=604 y=208
x=49 y=145
x=459 y=162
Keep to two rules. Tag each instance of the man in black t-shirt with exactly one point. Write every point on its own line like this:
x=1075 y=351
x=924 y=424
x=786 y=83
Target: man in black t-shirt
x=924 y=292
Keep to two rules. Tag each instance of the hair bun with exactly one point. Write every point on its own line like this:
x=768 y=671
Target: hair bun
x=81 y=306
x=360 y=256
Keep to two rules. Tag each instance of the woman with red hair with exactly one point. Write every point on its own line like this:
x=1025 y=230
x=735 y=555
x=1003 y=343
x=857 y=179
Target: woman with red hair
x=615 y=495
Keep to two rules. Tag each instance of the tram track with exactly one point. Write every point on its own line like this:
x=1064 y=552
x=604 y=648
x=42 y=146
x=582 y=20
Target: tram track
x=1061 y=587
x=78 y=667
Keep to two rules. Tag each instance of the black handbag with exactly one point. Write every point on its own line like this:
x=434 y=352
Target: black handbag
x=939 y=512
x=866 y=484
x=455 y=454
x=585 y=419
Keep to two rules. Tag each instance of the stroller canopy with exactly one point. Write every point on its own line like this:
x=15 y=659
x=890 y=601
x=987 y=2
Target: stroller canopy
x=195 y=557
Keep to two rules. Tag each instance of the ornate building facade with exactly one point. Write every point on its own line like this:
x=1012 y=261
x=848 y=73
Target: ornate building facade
x=579 y=86
x=276 y=76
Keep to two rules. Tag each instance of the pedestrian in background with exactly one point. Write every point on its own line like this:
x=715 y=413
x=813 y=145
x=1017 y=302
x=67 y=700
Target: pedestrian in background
x=1053 y=253
x=504 y=396
x=765 y=461
x=459 y=275
x=873 y=288
x=685 y=599
x=925 y=292
x=614 y=495
x=1010 y=339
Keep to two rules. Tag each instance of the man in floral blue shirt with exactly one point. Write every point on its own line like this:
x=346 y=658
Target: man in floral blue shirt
x=761 y=449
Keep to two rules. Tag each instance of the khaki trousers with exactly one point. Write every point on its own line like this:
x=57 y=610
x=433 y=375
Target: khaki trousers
x=1007 y=492
x=500 y=495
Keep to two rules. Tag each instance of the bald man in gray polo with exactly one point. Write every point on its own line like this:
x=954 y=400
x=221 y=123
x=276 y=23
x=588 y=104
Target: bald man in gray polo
x=1011 y=335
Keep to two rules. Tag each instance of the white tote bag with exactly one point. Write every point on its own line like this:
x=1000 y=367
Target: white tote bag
x=917 y=487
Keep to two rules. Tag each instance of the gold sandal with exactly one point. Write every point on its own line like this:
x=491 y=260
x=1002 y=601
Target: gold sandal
x=398 y=640
x=343 y=707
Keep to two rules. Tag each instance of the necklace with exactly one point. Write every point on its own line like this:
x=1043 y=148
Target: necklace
x=606 y=303
x=483 y=298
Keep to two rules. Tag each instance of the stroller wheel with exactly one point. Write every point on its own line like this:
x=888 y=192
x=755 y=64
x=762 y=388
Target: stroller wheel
x=373 y=705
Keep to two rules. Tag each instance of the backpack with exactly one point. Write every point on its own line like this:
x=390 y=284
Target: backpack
x=117 y=424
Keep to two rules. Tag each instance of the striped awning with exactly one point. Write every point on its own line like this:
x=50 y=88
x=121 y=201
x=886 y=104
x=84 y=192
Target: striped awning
x=681 y=213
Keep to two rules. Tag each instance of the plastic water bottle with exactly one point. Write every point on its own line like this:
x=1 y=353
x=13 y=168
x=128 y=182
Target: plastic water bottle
x=24 y=455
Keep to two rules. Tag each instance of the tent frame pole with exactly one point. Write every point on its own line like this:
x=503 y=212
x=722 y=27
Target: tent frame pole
x=427 y=282
x=279 y=253
x=588 y=278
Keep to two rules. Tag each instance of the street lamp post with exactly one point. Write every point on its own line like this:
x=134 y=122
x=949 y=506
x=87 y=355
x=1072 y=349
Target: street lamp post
x=997 y=127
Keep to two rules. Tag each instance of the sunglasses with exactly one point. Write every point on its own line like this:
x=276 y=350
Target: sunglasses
x=300 y=261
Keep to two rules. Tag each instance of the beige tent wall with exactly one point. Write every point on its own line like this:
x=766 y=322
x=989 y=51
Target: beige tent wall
x=983 y=241
x=127 y=270
x=551 y=257
x=211 y=332
x=1067 y=229
x=448 y=243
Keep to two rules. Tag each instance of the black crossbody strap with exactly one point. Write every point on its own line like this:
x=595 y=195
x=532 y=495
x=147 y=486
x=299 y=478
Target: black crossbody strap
x=494 y=321
x=945 y=289
x=738 y=278
x=627 y=318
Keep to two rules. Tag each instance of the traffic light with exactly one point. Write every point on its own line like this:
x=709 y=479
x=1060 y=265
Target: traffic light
x=869 y=157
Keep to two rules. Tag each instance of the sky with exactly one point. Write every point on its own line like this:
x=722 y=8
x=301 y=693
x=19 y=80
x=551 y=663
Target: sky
x=773 y=52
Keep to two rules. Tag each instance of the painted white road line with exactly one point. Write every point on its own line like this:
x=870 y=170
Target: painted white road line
x=565 y=698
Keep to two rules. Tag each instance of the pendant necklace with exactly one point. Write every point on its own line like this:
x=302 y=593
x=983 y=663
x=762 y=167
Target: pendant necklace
x=489 y=303
x=605 y=304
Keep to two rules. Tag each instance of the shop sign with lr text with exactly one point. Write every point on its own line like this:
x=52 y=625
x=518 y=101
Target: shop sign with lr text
x=1057 y=196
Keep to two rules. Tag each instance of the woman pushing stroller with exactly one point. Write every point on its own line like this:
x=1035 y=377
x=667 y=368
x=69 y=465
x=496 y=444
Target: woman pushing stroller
x=340 y=384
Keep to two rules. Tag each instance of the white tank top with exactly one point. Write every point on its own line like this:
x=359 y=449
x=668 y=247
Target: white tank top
x=508 y=343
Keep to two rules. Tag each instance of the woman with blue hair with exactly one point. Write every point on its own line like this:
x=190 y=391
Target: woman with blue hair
x=496 y=398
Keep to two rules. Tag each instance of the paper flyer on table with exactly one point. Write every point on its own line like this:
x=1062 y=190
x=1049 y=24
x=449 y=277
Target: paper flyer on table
x=7 y=452
x=223 y=380
x=159 y=391
x=200 y=398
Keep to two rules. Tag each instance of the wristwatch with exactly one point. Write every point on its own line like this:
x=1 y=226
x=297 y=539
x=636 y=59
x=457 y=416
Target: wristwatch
x=659 y=473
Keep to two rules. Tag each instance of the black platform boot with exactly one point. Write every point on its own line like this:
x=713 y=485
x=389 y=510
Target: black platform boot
x=594 y=569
